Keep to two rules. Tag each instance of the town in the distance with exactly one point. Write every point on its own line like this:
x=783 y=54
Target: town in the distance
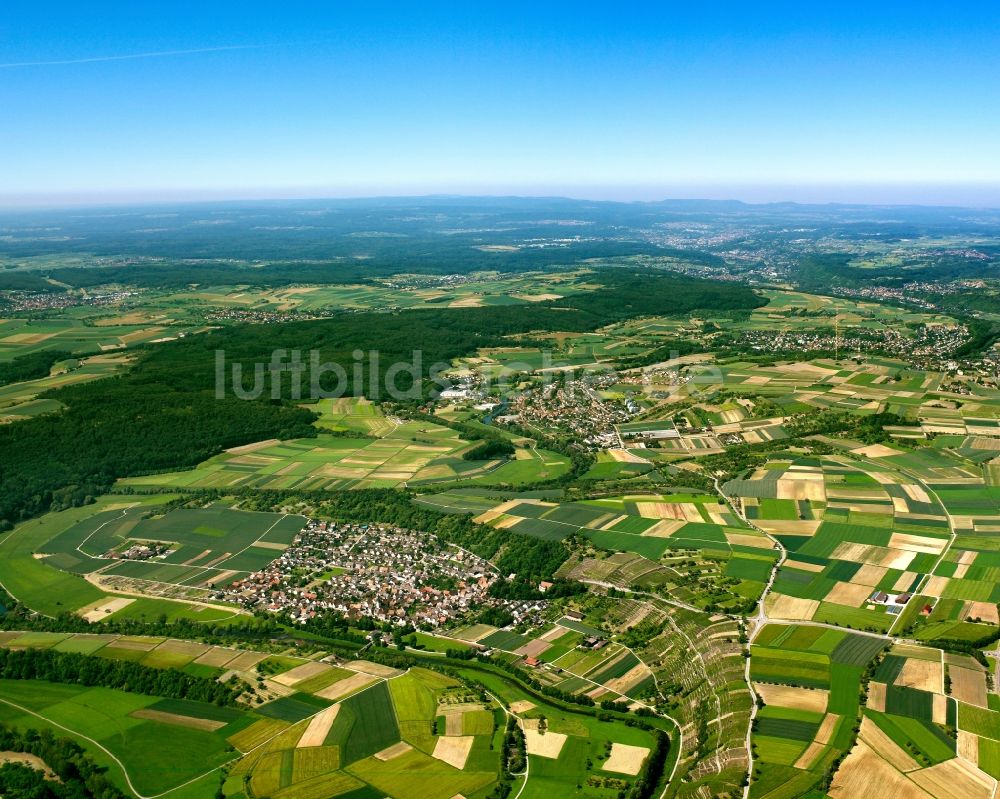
x=476 y=498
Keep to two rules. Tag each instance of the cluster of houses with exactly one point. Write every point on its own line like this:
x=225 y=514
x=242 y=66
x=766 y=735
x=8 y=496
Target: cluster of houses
x=575 y=407
x=927 y=347
x=140 y=551
x=387 y=574
x=893 y=603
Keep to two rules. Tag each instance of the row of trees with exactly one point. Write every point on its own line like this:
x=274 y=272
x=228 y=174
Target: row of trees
x=74 y=668
x=31 y=366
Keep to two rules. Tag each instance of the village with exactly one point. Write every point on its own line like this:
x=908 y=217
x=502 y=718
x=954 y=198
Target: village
x=390 y=575
x=575 y=407
x=931 y=346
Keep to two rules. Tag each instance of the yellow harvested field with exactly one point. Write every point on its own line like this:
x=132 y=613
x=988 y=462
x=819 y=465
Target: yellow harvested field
x=521 y=706
x=625 y=759
x=869 y=553
x=918 y=543
x=924 y=675
x=781 y=606
x=851 y=594
x=826 y=728
x=876 y=696
x=686 y=511
x=968 y=746
x=935 y=586
x=610 y=522
x=799 y=489
x=904 y=582
x=803 y=566
x=375 y=669
x=499 y=510
x=455 y=750
x=864 y=773
x=808 y=757
x=543 y=744
x=804 y=527
x=133 y=644
x=744 y=540
x=984 y=611
x=888 y=749
x=217 y=656
x=245 y=661
x=630 y=679
x=955 y=779
x=346 y=686
x=103 y=608
x=300 y=673
x=533 y=648
x=319 y=727
x=208 y=725
x=488 y=516
x=968 y=685
x=392 y=752
x=454 y=724
x=624 y=456
x=939 y=709
x=664 y=528
x=869 y=575
x=274 y=544
x=813 y=700
x=916 y=493
x=876 y=451
x=192 y=648
x=26 y=338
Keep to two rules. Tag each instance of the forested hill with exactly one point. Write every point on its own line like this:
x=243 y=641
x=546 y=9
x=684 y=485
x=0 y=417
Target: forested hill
x=443 y=334
x=163 y=414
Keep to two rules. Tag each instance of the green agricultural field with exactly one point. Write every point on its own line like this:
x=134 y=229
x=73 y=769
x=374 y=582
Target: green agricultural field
x=202 y=543
x=406 y=453
x=381 y=741
x=366 y=724
x=158 y=756
x=37 y=584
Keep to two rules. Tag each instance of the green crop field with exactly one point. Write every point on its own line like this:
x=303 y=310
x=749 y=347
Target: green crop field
x=201 y=536
x=37 y=584
x=157 y=756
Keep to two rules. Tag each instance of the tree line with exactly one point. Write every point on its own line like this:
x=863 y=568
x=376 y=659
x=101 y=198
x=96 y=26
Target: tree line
x=77 y=669
x=79 y=776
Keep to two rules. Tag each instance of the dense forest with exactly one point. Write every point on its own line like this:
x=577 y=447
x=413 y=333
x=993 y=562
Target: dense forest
x=78 y=776
x=164 y=413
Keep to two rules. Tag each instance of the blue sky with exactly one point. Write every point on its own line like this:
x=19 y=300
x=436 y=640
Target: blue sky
x=756 y=101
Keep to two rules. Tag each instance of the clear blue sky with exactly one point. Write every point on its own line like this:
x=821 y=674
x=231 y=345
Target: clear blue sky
x=618 y=99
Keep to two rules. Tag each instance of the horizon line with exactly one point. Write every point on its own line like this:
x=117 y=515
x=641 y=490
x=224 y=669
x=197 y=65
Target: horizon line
x=603 y=193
